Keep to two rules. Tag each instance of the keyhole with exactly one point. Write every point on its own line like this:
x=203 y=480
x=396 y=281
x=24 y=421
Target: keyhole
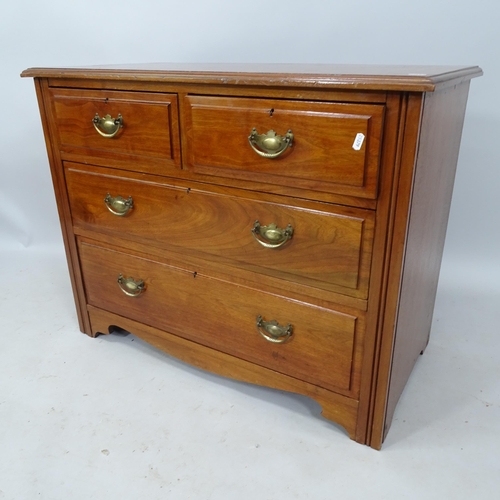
x=271 y=111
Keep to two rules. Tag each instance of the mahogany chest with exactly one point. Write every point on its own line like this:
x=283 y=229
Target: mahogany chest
x=277 y=224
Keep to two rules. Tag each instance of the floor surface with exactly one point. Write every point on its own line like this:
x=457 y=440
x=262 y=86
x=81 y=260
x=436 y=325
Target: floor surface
x=112 y=417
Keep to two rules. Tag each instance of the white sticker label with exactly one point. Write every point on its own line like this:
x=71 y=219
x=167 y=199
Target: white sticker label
x=358 y=142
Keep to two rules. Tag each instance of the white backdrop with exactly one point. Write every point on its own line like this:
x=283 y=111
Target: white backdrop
x=86 y=32
x=442 y=446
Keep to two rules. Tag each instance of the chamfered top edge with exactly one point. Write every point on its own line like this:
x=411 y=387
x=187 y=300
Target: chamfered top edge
x=369 y=77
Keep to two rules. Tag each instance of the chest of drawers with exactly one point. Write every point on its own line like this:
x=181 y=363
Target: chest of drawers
x=281 y=225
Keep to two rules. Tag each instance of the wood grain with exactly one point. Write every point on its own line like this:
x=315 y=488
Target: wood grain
x=439 y=143
x=335 y=407
x=221 y=315
x=424 y=194
x=329 y=76
x=50 y=134
x=322 y=156
x=201 y=221
x=358 y=279
x=393 y=261
x=395 y=119
x=150 y=125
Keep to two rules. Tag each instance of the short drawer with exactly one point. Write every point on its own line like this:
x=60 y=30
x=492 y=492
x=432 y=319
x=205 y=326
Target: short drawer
x=335 y=147
x=133 y=126
x=307 y=342
x=324 y=246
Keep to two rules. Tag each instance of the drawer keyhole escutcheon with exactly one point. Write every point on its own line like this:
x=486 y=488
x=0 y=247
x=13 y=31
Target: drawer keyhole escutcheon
x=271 y=236
x=119 y=206
x=130 y=286
x=107 y=126
x=272 y=331
x=270 y=145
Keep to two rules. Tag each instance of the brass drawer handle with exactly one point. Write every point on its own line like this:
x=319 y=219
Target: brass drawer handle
x=130 y=286
x=271 y=236
x=272 y=331
x=119 y=206
x=107 y=126
x=270 y=145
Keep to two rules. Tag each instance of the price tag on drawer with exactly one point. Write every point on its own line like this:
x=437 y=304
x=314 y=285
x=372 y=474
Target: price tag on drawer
x=358 y=141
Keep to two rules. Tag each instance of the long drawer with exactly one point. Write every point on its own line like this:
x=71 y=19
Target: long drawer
x=328 y=247
x=307 y=342
x=321 y=146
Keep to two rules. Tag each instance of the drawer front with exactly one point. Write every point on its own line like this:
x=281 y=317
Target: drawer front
x=335 y=146
x=149 y=127
x=329 y=249
x=224 y=316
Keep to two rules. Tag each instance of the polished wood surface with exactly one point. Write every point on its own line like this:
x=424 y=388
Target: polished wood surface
x=357 y=280
x=439 y=142
x=340 y=409
x=203 y=222
x=398 y=208
x=322 y=157
x=150 y=124
x=320 y=350
x=362 y=76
